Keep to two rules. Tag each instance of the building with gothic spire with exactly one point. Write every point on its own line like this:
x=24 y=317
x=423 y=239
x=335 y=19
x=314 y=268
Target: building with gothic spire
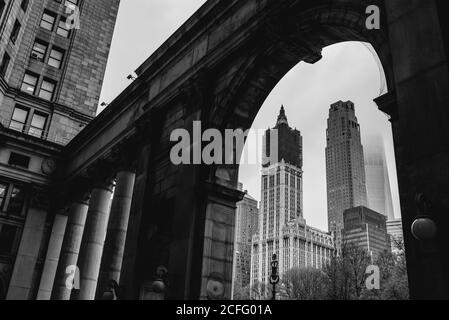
x=282 y=228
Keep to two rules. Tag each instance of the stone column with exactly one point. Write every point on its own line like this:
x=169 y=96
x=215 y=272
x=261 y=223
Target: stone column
x=52 y=258
x=70 y=248
x=112 y=259
x=218 y=242
x=24 y=267
x=93 y=241
x=420 y=66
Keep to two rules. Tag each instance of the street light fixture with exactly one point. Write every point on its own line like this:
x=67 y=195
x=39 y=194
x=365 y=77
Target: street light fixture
x=424 y=227
x=274 y=278
x=161 y=281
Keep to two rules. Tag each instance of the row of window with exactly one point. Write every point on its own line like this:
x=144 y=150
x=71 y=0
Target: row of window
x=12 y=199
x=29 y=121
x=50 y=19
x=39 y=53
x=30 y=82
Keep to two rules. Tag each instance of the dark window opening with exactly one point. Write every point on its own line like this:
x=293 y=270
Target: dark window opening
x=7 y=238
x=19 y=160
x=15 y=32
x=5 y=64
x=24 y=5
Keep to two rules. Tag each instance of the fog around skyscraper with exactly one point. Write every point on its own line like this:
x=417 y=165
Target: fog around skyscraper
x=377 y=176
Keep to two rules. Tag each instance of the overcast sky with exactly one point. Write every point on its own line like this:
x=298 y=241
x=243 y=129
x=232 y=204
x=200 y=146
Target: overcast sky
x=348 y=71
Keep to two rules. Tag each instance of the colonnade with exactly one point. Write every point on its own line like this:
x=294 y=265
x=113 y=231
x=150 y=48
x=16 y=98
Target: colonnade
x=93 y=244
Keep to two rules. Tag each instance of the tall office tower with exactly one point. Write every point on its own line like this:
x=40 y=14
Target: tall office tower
x=377 y=177
x=345 y=170
x=366 y=229
x=282 y=228
x=394 y=230
x=53 y=56
x=245 y=227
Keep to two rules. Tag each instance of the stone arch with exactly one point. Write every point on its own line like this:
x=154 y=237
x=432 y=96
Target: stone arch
x=289 y=37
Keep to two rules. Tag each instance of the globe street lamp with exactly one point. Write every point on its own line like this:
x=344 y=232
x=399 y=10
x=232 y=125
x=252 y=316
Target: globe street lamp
x=274 y=278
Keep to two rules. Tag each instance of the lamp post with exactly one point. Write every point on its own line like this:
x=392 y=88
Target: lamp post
x=424 y=228
x=274 y=278
x=160 y=283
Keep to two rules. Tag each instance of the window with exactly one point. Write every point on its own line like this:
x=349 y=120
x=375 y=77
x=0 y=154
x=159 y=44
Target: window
x=47 y=90
x=3 y=191
x=48 y=20
x=71 y=2
x=39 y=50
x=19 y=119
x=5 y=64
x=24 y=4
x=29 y=83
x=7 y=239
x=38 y=124
x=62 y=29
x=2 y=7
x=19 y=160
x=15 y=32
x=55 y=59
x=16 y=201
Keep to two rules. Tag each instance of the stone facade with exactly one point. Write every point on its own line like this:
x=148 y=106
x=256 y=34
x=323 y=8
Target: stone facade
x=38 y=116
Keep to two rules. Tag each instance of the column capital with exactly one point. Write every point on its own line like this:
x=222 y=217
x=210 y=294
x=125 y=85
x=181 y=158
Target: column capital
x=387 y=103
x=220 y=192
x=101 y=175
x=76 y=192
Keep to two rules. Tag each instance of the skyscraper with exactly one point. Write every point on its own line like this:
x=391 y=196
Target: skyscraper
x=53 y=57
x=394 y=230
x=245 y=227
x=345 y=170
x=282 y=228
x=366 y=229
x=377 y=177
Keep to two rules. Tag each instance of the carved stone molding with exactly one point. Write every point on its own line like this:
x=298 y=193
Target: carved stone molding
x=387 y=103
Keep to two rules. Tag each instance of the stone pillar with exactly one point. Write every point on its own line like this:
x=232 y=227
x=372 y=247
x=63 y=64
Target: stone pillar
x=93 y=241
x=70 y=248
x=24 y=267
x=421 y=131
x=52 y=258
x=112 y=259
x=218 y=241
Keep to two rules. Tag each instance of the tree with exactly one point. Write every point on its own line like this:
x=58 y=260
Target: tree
x=356 y=260
x=337 y=279
x=241 y=293
x=393 y=272
x=304 y=284
x=259 y=291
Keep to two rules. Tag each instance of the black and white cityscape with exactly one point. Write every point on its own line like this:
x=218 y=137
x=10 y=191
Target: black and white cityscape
x=224 y=150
